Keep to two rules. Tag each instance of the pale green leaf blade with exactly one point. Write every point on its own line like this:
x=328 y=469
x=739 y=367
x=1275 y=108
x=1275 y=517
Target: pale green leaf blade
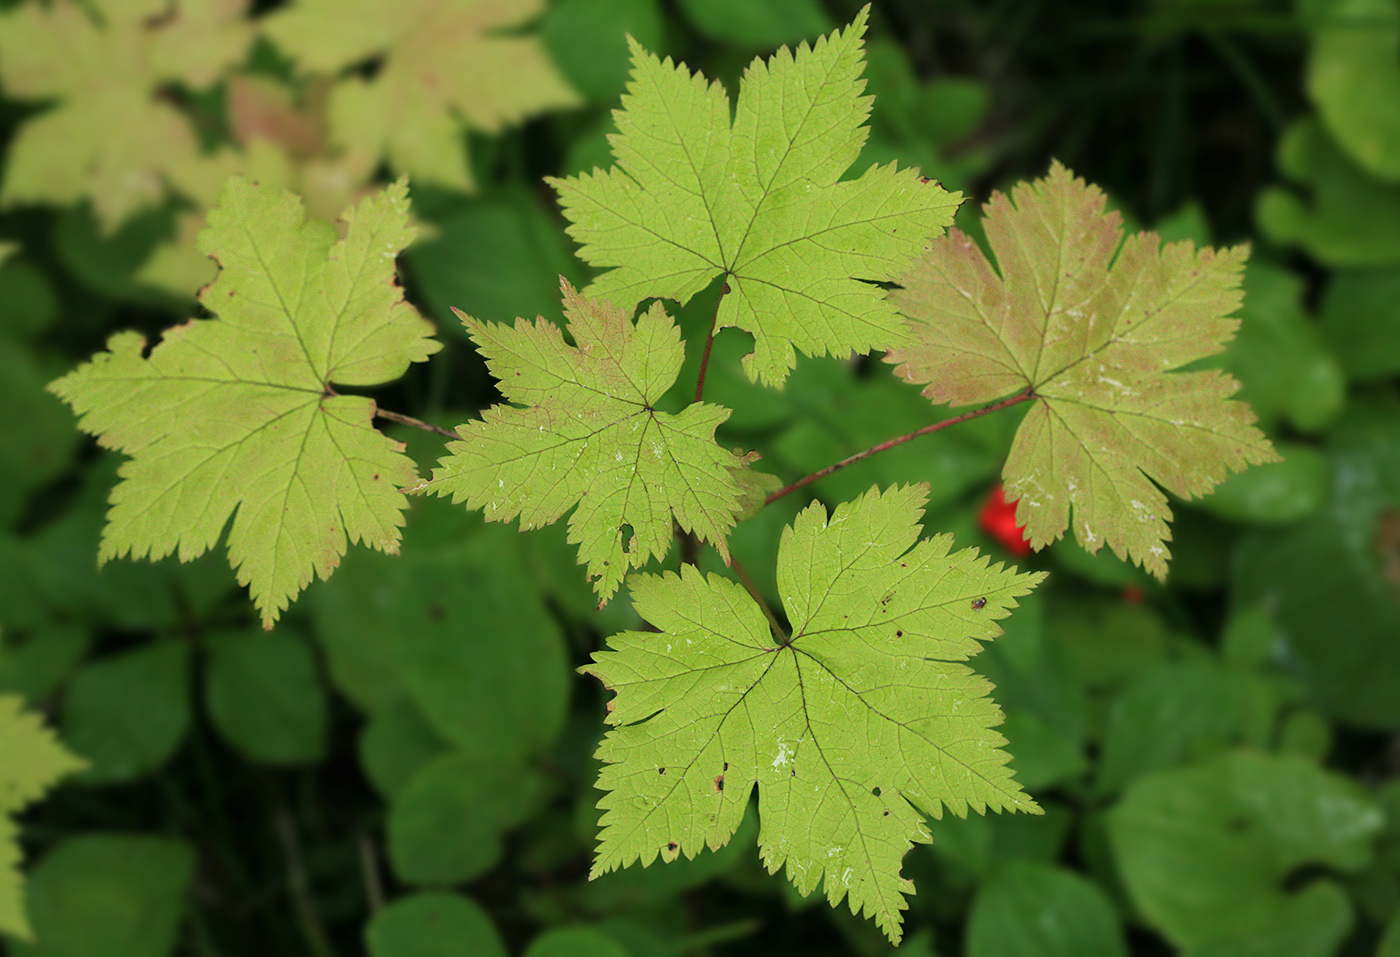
x=13 y=919
x=589 y=437
x=800 y=119
x=649 y=217
x=793 y=281
x=31 y=760
x=759 y=202
x=853 y=729
x=1091 y=327
x=238 y=414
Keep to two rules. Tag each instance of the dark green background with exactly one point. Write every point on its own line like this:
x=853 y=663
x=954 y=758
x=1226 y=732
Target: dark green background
x=403 y=766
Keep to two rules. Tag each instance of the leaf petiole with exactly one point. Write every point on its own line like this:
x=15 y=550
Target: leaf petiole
x=416 y=423
x=780 y=633
x=709 y=343
x=1025 y=395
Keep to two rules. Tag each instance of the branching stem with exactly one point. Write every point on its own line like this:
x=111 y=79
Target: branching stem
x=709 y=343
x=1024 y=396
x=416 y=423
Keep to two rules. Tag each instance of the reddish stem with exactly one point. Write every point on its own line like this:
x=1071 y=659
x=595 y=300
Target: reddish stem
x=416 y=423
x=709 y=342
x=1024 y=396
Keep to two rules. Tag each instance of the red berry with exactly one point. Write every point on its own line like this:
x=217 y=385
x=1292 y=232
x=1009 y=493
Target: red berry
x=998 y=519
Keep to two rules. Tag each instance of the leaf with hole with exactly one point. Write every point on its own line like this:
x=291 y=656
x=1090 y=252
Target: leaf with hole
x=854 y=726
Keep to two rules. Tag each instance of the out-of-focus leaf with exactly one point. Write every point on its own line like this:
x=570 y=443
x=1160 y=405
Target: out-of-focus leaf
x=627 y=889
x=1101 y=567
x=1046 y=711
x=497 y=259
x=128 y=713
x=1331 y=583
x=265 y=696
x=60 y=580
x=109 y=264
x=122 y=895
x=40 y=433
x=1178 y=713
x=1285 y=368
x=1275 y=493
x=1042 y=755
x=33 y=664
x=446 y=823
x=111 y=135
x=1349 y=219
x=442 y=65
x=1205 y=851
x=465 y=634
x=1360 y=320
x=395 y=744
x=1353 y=75
x=1028 y=909
x=1306 y=733
x=434 y=924
x=574 y=942
x=1390 y=943
x=1250 y=639
x=1108 y=643
x=588 y=41
x=27 y=301
x=984 y=843
x=950 y=107
x=758 y=25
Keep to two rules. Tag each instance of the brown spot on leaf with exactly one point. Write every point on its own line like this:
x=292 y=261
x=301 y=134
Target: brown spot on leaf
x=719 y=783
x=978 y=604
x=671 y=846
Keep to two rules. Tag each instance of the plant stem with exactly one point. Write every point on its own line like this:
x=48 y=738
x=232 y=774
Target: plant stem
x=742 y=572
x=303 y=906
x=709 y=342
x=416 y=423
x=1024 y=396
x=369 y=868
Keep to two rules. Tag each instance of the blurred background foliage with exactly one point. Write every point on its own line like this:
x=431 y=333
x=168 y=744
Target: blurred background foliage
x=403 y=766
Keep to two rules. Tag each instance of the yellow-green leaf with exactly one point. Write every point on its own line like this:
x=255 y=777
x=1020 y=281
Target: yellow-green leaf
x=854 y=727
x=30 y=762
x=239 y=412
x=589 y=435
x=759 y=200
